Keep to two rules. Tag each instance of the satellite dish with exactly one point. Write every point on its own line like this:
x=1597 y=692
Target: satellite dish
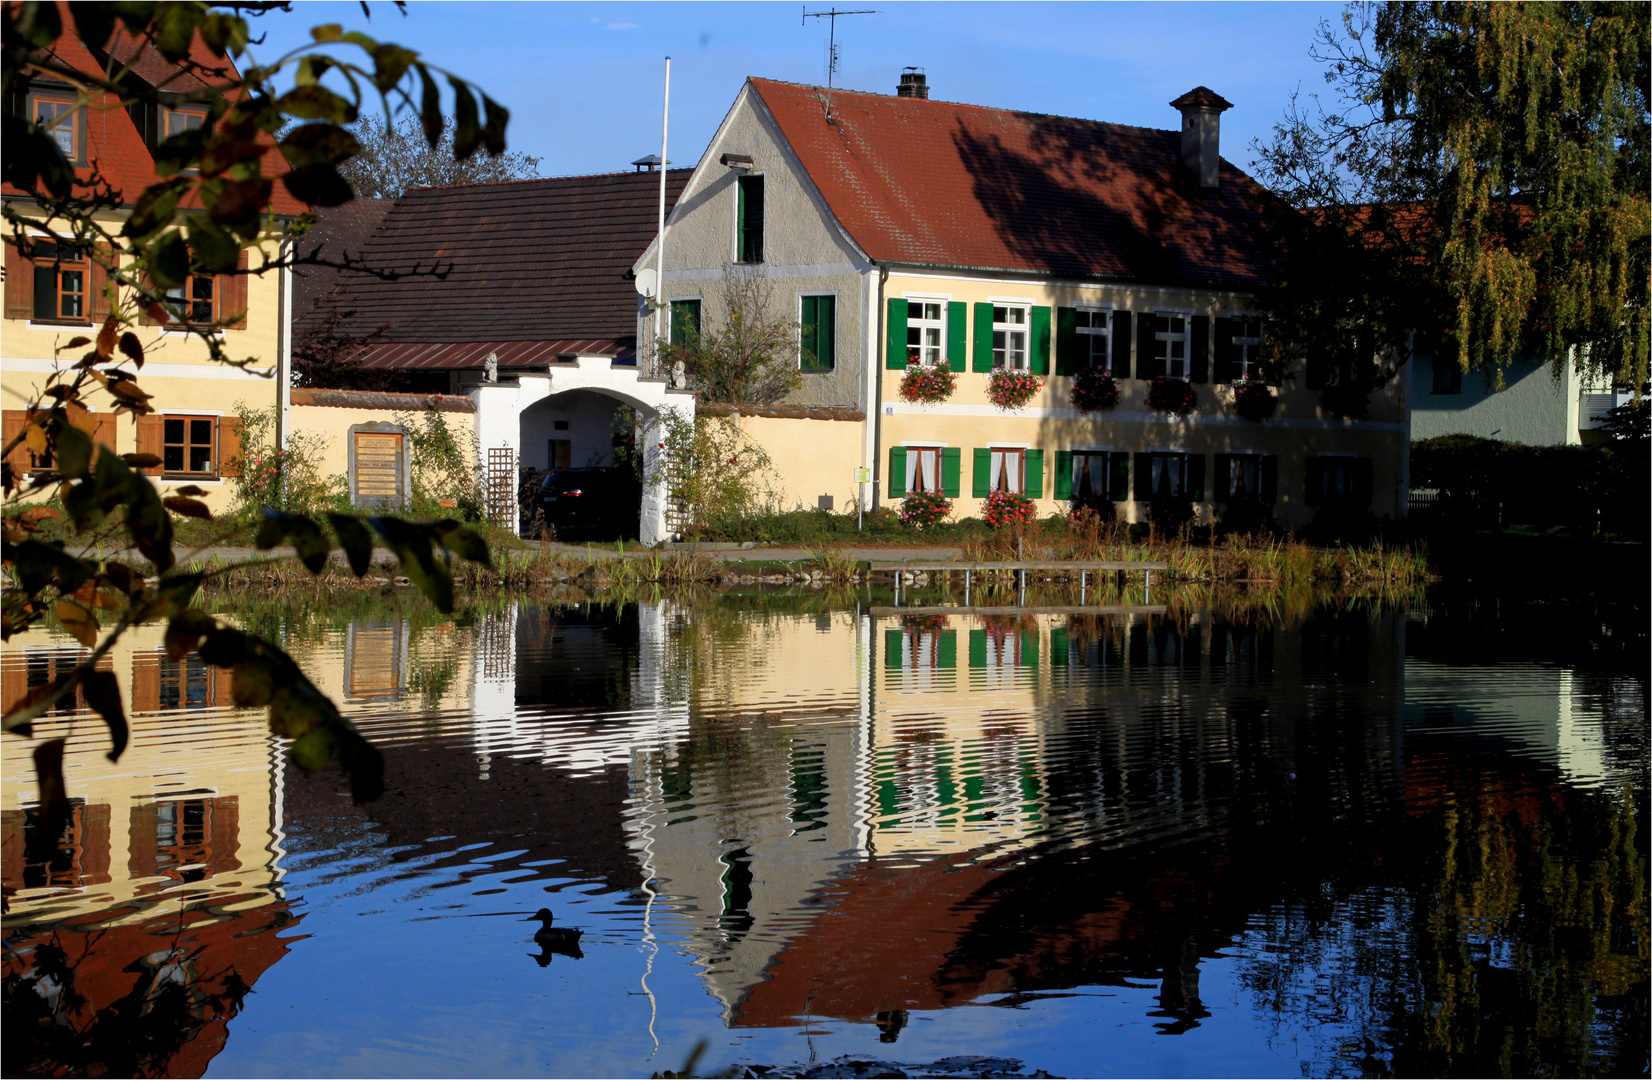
x=646 y=282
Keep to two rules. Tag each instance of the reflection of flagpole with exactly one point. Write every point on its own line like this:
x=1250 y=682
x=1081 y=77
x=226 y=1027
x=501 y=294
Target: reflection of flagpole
x=647 y=924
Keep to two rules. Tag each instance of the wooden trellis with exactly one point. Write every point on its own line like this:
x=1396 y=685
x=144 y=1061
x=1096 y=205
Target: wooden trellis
x=501 y=487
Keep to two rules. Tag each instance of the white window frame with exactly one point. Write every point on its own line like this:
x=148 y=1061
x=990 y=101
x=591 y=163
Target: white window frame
x=1023 y=328
x=670 y=322
x=916 y=453
x=1249 y=347
x=1166 y=338
x=1089 y=333
x=940 y=325
x=800 y=297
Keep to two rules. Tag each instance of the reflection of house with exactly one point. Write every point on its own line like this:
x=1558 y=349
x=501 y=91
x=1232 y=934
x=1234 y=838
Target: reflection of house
x=899 y=231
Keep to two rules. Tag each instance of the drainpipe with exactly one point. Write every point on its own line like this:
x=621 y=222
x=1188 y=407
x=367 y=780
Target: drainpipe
x=872 y=384
x=284 y=350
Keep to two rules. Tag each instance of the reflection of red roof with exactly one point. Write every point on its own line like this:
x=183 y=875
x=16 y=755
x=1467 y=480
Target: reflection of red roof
x=940 y=184
x=113 y=143
x=214 y=949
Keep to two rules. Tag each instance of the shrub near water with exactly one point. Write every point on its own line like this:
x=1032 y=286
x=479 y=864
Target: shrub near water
x=925 y=508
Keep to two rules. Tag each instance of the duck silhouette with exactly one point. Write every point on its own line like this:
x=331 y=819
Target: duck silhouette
x=554 y=940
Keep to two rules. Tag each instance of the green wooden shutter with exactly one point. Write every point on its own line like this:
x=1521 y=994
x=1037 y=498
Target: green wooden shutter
x=1196 y=477
x=897 y=472
x=1144 y=476
x=1118 y=479
x=980 y=480
x=1147 y=365
x=1034 y=480
x=1066 y=341
x=1316 y=481
x=819 y=333
x=1270 y=367
x=1227 y=353
x=1224 y=469
x=1059 y=646
x=750 y=224
x=951 y=466
x=978 y=648
x=982 y=360
x=895 y=332
x=1040 y=358
x=740 y=221
x=1063 y=474
x=1362 y=482
x=946 y=655
x=1199 y=369
x=1121 y=344
x=1270 y=479
x=957 y=334
x=892 y=648
x=1029 y=648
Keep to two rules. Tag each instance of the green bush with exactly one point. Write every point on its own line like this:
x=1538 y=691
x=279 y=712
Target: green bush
x=1485 y=482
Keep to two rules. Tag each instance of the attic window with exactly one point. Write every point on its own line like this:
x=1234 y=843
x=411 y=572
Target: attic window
x=748 y=246
x=56 y=113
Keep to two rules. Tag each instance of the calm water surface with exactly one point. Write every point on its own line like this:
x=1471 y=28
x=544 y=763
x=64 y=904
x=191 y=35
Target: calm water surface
x=1341 y=841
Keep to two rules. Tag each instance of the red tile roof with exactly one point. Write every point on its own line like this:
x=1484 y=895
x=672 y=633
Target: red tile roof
x=113 y=143
x=933 y=183
x=540 y=261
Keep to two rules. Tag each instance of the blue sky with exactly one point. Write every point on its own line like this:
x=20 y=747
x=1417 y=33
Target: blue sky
x=583 y=80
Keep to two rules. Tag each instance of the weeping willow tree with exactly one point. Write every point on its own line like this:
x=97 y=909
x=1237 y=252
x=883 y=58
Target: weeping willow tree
x=1475 y=171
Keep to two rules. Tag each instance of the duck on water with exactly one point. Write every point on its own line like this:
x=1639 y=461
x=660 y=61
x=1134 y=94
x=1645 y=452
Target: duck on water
x=554 y=939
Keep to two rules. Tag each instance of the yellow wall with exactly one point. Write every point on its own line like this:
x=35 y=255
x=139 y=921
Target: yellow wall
x=328 y=428
x=809 y=458
x=176 y=372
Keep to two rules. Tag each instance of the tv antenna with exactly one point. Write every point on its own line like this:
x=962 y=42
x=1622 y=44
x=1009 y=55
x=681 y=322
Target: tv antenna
x=831 y=50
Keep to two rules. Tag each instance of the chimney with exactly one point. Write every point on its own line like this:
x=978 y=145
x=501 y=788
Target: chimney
x=1202 y=110
x=913 y=84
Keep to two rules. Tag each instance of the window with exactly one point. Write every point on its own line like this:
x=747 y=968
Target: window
x=62 y=275
x=1247 y=344
x=1089 y=477
x=748 y=240
x=196 y=300
x=559 y=453
x=1448 y=377
x=1170 y=343
x=1008 y=469
x=1241 y=475
x=179 y=121
x=1009 y=338
x=1332 y=479
x=59 y=117
x=189 y=445
x=925 y=331
x=923 y=468
x=685 y=322
x=1093 y=350
x=819 y=338
x=1167 y=476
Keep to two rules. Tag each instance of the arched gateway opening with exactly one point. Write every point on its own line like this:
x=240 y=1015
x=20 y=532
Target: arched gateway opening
x=517 y=429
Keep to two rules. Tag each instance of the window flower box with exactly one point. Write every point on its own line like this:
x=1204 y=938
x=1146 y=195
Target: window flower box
x=1012 y=388
x=1094 y=389
x=1253 y=398
x=928 y=383
x=1008 y=508
x=1171 y=395
x=922 y=509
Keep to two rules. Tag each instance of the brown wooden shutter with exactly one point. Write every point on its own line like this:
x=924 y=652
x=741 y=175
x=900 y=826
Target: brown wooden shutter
x=97 y=282
x=151 y=440
x=19 y=285
x=144 y=318
x=15 y=421
x=232 y=289
x=103 y=431
x=229 y=445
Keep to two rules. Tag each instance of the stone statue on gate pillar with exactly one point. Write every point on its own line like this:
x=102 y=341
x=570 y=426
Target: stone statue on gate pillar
x=490 y=368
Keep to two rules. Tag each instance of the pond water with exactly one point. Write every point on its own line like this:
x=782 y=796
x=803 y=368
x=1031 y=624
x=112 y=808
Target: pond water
x=1240 y=840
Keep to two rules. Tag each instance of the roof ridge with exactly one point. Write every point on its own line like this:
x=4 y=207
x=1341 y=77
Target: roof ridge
x=540 y=179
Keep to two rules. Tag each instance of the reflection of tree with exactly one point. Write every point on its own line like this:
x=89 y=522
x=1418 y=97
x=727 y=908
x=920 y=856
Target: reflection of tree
x=1520 y=948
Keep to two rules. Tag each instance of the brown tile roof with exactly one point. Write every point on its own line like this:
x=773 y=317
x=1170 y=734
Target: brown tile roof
x=940 y=184
x=113 y=143
x=783 y=412
x=340 y=232
x=542 y=261
x=403 y=355
x=374 y=399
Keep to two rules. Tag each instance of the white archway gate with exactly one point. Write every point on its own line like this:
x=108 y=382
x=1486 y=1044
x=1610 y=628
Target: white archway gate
x=499 y=408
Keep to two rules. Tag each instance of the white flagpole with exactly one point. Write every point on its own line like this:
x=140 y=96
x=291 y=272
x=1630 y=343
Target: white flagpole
x=659 y=243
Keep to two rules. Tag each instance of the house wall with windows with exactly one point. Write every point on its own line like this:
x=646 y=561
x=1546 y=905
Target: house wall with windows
x=816 y=275
x=1535 y=406
x=195 y=428
x=1133 y=452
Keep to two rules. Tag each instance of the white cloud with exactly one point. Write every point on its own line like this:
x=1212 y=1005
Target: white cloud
x=622 y=26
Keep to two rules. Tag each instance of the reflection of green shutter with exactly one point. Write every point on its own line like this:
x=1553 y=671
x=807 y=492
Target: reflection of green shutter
x=889 y=799
x=1040 y=358
x=946 y=656
x=896 y=360
x=1058 y=647
x=978 y=648
x=897 y=472
x=892 y=648
x=983 y=338
x=1029 y=648
x=1066 y=340
x=981 y=481
x=1035 y=474
x=1063 y=474
x=957 y=334
x=951 y=466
